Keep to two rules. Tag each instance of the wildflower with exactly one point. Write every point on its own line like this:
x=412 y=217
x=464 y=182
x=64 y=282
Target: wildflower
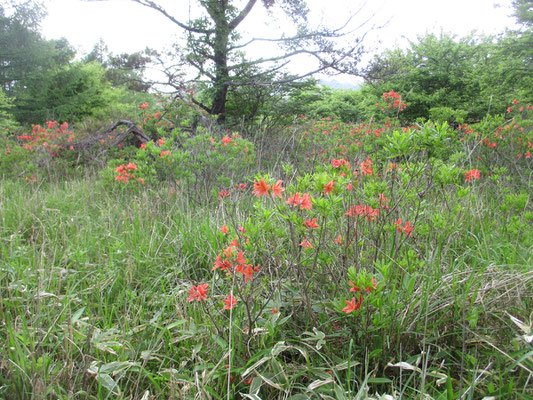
x=373 y=287
x=274 y=311
x=383 y=201
x=349 y=186
x=261 y=188
x=226 y=140
x=310 y=223
x=223 y=265
x=198 y=292
x=354 y=287
x=328 y=188
x=223 y=193
x=164 y=153
x=131 y=166
x=407 y=228
x=161 y=142
x=471 y=174
x=143 y=146
x=338 y=240
x=224 y=229
x=306 y=244
x=352 y=305
x=248 y=272
x=366 y=167
x=277 y=189
x=229 y=302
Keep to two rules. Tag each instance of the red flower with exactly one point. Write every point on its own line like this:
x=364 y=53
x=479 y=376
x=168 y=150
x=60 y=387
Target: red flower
x=338 y=240
x=306 y=244
x=306 y=202
x=303 y=201
x=471 y=174
x=198 y=292
x=366 y=167
x=164 y=153
x=261 y=188
x=223 y=193
x=408 y=229
x=229 y=302
x=277 y=189
x=226 y=140
x=161 y=142
x=224 y=229
x=310 y=223
x=352 y=305
x=328 y=188
x=354 y=288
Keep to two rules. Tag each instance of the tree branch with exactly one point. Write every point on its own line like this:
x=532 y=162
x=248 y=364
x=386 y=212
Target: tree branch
x=245 y=11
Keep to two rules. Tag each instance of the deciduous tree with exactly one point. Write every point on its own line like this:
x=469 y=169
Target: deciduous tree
x=216 y=49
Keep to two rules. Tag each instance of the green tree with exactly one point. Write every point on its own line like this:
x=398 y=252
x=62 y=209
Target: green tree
x=70 y=93
x=24 y=52
x=125 y=69
x=474 y=75
x=216 y=49
x=7 y=120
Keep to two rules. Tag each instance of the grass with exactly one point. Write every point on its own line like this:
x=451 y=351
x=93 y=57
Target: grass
x=94 y=281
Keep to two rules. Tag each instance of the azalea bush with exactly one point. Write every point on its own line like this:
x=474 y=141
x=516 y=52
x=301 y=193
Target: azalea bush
x=330 y=260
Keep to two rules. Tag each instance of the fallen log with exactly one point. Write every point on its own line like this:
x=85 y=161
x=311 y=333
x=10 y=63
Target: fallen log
x=134 y=134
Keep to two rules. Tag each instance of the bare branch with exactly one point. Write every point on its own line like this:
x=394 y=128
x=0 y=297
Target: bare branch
x=158 y=8
x=243 y=14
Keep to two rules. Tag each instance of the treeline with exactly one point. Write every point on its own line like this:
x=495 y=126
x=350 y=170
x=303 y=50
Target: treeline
x=440 y=77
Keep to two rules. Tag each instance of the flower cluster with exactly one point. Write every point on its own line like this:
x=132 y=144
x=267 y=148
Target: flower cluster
x=125 y=173
x=407 y=228
x=51 y=138
x=261 y=188
x=303 y=201
x=198 y=292
x=471 y=174
x=226 y=261
x=363 y=211
x=393 y=100
x=352 y=305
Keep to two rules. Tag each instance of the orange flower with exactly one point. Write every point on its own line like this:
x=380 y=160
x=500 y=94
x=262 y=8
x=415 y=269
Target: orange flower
x=352 y=305
x=328 y=188
x=338 y=240
x=306 y=244
x=277 y=189
x=198 y=292
x=310 y=223
x=224 y=229
x=261 y=188
x=226 y=140
x=229 y=302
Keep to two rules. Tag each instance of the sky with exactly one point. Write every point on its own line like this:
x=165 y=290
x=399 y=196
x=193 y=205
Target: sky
x=128 y=27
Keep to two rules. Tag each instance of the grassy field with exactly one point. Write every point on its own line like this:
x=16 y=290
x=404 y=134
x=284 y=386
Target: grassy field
x=321 y=261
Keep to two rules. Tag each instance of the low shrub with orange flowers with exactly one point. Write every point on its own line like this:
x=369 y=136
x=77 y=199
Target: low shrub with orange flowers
x=330 y=260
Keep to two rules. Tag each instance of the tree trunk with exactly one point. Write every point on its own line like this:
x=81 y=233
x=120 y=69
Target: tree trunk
x=221 y=50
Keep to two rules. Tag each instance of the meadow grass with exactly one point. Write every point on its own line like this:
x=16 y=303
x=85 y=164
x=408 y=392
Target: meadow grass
x=94 y=281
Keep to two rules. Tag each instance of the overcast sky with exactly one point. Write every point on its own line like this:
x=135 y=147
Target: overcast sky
x=128 y=27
